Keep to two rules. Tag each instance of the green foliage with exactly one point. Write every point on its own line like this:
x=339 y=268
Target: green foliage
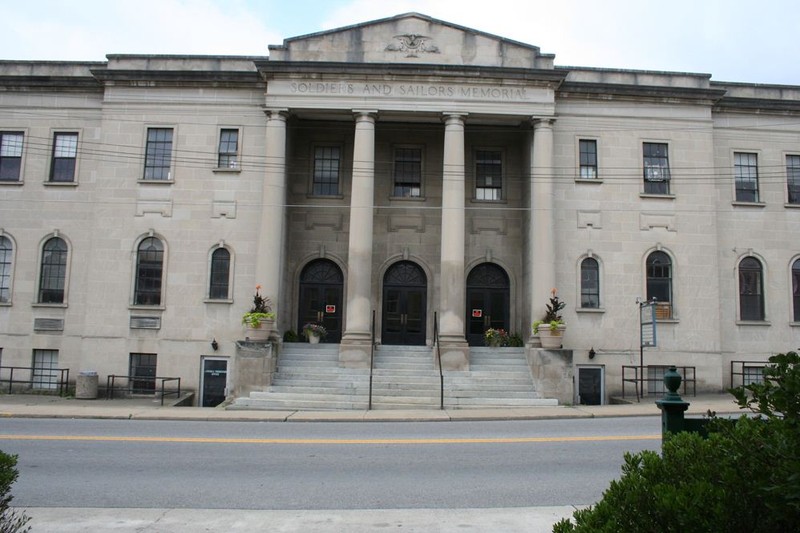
x=10 y=521
x=745 y=477
x=553 y=309
x=290 y=336
x=515 y=340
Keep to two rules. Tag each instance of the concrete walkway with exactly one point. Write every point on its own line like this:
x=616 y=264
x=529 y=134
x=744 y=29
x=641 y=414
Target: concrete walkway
x=43 y=406
x=511 y=520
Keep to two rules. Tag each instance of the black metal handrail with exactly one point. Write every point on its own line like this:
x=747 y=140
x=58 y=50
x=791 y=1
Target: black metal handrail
x=62 y=383
x=371 y=357
x=438 y=358
x=638 y=379
x=111 y=386
x=747 y=365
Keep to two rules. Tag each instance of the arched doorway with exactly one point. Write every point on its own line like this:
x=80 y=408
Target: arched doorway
x=488 y=294
x=321 y=288
x=405 y=300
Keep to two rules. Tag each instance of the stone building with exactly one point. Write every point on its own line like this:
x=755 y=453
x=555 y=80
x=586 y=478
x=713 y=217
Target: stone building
x=444 y=178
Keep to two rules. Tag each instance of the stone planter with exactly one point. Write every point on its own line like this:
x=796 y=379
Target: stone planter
x=551 y=340
x=262 y=332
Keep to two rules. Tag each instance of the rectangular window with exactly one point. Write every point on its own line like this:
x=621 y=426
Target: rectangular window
x=656 y=168
x=746 y=174
x=10 y=155
x=5 y=269
x=143 y=373
x=158 y=154
x=45 y=369
x=408 y=172
x=228 y=149
x=488 y=175
x=793 y=178
x=327 y=162
x=65 y=151
x=588 y=159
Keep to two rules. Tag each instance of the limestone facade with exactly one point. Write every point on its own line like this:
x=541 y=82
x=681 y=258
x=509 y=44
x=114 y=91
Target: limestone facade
x=386 y=167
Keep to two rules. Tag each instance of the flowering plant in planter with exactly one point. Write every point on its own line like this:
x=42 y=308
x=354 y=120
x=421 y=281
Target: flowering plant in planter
x=495 y=337
x=261 y=310
x=312 y=328
x=552 y=315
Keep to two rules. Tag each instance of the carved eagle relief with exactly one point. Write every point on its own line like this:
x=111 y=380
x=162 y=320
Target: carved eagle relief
x=412 y=45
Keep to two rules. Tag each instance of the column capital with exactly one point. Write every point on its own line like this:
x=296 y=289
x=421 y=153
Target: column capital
x=450 y=117
x=363 y=114
x=276 y=113
x=543 y=122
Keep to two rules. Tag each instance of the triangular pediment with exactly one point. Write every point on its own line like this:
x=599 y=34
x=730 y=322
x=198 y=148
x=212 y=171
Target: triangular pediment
x=411 y=38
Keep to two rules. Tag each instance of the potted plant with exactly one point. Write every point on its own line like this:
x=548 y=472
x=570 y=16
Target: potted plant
x=551 y=328
x=495 y=338
x=259 y=320
x=314 y=332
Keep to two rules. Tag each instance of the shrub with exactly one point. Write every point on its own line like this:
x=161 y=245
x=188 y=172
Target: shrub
x=10 y=521
x=745 y=477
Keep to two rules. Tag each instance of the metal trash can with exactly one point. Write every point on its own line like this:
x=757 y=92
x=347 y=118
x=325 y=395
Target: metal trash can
x=86 y=386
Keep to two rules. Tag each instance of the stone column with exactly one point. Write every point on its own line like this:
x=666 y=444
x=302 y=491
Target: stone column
x=541 y=231
x=452 y=340
x=354 y=349
x=271 y=237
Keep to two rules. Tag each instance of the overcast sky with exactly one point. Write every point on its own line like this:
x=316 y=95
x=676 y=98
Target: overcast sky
x=734 y=40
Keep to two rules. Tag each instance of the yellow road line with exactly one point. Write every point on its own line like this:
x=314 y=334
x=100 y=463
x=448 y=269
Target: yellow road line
x=208 y=440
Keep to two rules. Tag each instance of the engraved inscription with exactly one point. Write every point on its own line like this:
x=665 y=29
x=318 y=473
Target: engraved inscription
x=464 y=92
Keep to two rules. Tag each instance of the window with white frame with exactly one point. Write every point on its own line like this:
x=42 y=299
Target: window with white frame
x=327 y=166
x=745 y=166
x=656 y=168
x=587 y=152
x=793 y=178
x=407 y=172
x=488 y=175
x=6 y=253
x=228 y=156
x=53 y=273
x=751 y=289
x=158 y=154
x=149 y=272
x=45 y=369
x=65 y=153
x=10 y=155
x=219 y=282
x=590 y=283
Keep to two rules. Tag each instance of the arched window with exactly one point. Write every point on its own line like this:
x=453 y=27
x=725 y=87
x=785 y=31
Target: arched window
x=796 y=290
x=590 y=283
x=219 y=282
x=149 y=271
x=6 y=251
x=751 y=293
x=53 y=275
x=659 y=283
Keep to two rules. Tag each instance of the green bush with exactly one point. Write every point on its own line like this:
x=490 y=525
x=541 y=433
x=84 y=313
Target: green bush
x=10 y=521
x=745 y=477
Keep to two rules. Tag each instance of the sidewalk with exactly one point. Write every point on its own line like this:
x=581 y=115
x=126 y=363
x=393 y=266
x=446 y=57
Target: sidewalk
x=42 y=406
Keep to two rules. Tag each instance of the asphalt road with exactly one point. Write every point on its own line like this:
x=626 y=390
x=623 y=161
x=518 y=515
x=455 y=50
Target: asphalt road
x=274 y=466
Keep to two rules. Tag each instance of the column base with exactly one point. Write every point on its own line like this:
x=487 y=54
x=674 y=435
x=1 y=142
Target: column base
x=454 y=353
x=354 y=350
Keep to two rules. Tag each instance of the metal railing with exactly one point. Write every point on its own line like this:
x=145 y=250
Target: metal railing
x=140 y=385
x=636 y=375
x=438 y=358
x=745 y=371
x=371 y=358
x=44 y=378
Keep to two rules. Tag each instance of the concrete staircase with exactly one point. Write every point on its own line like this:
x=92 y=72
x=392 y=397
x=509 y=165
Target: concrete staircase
x=309 y=378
